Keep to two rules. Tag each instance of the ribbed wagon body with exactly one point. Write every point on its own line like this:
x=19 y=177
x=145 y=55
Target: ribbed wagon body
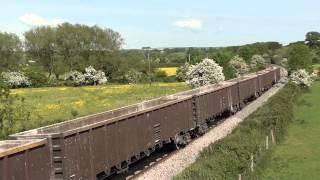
x=88 y=146
x=25 y=160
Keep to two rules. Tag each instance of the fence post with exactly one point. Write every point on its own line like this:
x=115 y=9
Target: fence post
x=272 y=137
x=251 y=163
x=239 y=177
x=267 y=142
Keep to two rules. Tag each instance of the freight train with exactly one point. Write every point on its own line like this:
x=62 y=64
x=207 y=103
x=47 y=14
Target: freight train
x=96 y=146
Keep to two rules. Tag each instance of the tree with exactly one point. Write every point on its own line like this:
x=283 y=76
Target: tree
x=313 y=39
x=182 y=72
x=41 y=47
x=299 y=57
x=133 y=76
x=239 y=65
x=15 y=79
x=245 y=52
x=302 y=77
x=14 y=116
x=257 y=63
x=72 y=47
x=204 y=73
x=223 y=58
x=76 y=43
x=10 y=50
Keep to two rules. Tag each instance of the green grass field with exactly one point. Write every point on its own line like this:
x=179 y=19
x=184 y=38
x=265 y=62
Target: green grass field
x=298 y=156
x=56 y=104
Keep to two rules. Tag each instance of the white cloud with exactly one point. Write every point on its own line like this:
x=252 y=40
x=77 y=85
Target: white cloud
x=31 y=19
x=191 y=23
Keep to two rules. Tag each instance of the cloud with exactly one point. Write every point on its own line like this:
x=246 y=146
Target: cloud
x=31 y=19
x=191 y=23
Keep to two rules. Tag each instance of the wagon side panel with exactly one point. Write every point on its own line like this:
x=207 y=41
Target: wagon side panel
x=31 y=164
x=99 y=149
x=39 y=163
x=71 y=157
x=15 y=166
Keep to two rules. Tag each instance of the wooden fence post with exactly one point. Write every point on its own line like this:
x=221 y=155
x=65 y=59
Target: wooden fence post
x=267 y=142
x=239 y=177
x=272 y=137
x=251 y=163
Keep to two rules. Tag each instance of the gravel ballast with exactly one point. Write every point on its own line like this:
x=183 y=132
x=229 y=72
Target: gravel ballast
x=185 y=157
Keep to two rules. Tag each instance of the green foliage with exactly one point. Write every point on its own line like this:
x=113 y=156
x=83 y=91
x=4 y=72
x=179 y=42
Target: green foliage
x=297 y=157
x=231 y=155
x=182 y=71
x=72 y=47
x=36 y=75
x=300 y=57
x=10 y=51
x=13 y=114
x=257 y=63
x=133 y=76
x=313 y=39
x=223 y=58
x=246 y=53
x=74 y=113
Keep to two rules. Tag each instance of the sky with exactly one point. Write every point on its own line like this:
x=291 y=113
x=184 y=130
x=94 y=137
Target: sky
x=172 y=23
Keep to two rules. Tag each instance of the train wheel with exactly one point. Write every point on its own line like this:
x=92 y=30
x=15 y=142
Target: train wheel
x=203 y=129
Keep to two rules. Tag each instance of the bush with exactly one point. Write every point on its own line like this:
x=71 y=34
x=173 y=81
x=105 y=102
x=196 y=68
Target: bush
x=89 y=77
x=239 y=65
x=94 y=77
x=204 y=73
x=75 y=78
x=302 y=77
x=257 y=63
x=14 y=117
x=16 y=79
x=37 y=77
x=133 y=76
x=182 y=72
x=160 y=75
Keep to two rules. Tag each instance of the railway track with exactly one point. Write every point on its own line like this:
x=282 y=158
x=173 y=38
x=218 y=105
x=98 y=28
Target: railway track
x=140 y=167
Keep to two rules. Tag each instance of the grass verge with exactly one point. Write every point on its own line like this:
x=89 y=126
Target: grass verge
x=298 y=156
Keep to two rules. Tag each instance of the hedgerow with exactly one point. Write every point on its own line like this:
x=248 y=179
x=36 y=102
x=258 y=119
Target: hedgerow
x=231 y=156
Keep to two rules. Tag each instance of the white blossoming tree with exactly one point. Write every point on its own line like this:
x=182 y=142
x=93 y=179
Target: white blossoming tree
x=257 y=63
x=16 y=79
x=302 y=77
x=204 y=73
x=90 y=77
x=182 y=71
x=239 y=65
x=94 y=77
x=76 y=77
x=133 y=76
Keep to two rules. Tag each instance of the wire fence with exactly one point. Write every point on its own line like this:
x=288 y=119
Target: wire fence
x=257 y=157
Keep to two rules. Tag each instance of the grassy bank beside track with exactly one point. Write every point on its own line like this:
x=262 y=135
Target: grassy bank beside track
x=57 y=104
x=231 y=156
x=298 y=156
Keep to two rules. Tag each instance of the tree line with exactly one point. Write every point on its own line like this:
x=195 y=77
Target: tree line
x=46 y=53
